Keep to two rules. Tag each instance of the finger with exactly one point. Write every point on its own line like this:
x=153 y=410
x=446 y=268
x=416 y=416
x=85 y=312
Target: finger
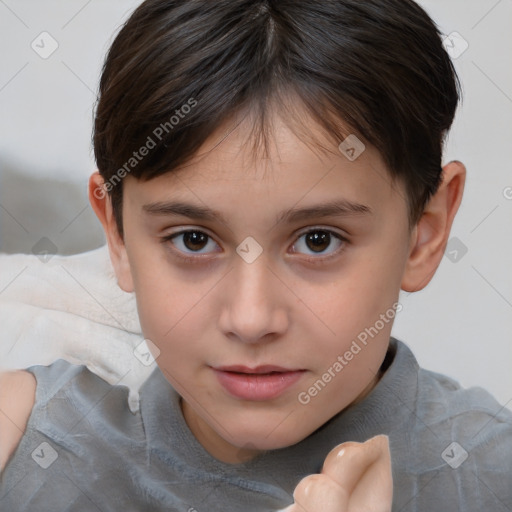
x=347 y=463
x=374 y=491
x=319 y=492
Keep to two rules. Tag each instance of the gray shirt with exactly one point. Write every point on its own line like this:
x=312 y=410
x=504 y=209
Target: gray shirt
x=84 y=450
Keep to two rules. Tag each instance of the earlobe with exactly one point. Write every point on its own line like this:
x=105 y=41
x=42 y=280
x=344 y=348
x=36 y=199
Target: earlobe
x=430 y=235
x=102 y=206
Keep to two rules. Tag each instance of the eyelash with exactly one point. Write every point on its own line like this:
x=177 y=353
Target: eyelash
x=315 y=260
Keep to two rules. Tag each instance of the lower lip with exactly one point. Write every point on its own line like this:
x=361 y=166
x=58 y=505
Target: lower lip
x=257 y=387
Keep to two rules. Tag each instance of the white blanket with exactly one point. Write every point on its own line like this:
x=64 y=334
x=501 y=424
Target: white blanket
x=71 y=307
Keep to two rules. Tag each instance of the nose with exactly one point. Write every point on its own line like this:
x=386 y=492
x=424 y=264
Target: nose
x=252 y=304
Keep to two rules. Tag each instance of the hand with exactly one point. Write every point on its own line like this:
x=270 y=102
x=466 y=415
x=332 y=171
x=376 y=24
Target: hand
x=356 y=477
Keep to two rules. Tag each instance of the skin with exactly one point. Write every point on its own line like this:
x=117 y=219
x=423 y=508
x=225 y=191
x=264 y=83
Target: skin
x=354 y=477
x=17 y=396
x=283 y=308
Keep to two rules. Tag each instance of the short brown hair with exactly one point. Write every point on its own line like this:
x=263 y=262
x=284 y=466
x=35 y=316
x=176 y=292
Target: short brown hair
x=378 y=67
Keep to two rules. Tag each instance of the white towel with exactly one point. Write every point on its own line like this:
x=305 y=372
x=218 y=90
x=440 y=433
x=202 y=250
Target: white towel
x=71 y=307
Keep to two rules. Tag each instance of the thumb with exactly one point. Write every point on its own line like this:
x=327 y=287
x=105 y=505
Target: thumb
x=363 y=470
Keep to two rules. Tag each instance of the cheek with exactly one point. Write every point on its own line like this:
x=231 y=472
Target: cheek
x=160 y=302
x=358 y=297
x=173 y=311
x=171 y=315
x=357 y=312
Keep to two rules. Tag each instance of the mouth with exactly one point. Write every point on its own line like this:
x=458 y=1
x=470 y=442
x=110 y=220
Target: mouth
x=261 y=383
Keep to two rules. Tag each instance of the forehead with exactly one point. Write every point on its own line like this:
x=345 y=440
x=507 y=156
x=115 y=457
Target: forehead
x=230 y=170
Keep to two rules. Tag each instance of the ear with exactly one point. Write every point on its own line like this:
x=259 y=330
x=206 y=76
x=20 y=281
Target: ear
x=102 y=206
x=430 y=235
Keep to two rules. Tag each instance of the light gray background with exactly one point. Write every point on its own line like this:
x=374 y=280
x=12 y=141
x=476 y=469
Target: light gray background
x=461 y=324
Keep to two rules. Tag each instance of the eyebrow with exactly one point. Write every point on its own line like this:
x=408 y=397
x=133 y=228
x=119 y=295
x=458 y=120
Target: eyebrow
x=336 y=208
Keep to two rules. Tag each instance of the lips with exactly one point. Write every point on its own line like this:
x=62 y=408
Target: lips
x=261 y=383
x=267 y=368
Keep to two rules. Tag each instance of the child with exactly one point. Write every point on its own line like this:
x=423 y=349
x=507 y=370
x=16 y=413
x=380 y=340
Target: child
x=269 y=179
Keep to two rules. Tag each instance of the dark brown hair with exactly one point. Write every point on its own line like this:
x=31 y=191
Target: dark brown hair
x=179 y=68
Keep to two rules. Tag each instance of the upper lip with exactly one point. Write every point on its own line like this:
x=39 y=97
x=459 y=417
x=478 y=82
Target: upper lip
x=266 y=368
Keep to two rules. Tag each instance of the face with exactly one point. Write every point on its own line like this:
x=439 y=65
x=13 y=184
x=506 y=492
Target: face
x=257 y=296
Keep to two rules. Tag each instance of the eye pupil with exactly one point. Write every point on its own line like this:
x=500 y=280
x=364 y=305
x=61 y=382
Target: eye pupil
x=194 y=240
x=320 y=240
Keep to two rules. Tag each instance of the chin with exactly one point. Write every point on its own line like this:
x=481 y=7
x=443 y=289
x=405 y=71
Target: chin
x=266 y=439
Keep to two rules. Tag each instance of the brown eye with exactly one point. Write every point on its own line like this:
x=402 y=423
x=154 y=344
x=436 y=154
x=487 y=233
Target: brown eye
x=194 y=240
x=318 y=242
x=191 y=242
